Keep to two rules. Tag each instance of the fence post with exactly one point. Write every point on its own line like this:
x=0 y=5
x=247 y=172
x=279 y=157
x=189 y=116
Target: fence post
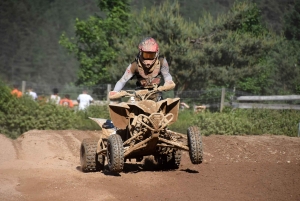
x=23 y=87
x=108 y=90
x=299 y=130
x=222 y=99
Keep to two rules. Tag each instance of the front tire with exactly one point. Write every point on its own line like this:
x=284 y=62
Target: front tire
x=89 y=159
x=195 y=144
x=115 y=153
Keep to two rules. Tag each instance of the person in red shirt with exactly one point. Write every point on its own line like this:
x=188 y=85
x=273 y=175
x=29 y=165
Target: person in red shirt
x=16 y=91
x=66 y=101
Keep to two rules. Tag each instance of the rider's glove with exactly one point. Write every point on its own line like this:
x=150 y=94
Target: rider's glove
x=116 y=94
x=111 y=93
x=167 y=86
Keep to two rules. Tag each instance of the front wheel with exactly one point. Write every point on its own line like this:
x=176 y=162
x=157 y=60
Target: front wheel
x=115 y=153
x=195 y=144
x=89 y=159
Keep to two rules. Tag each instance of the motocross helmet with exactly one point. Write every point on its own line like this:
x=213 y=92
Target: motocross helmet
x=148 y=51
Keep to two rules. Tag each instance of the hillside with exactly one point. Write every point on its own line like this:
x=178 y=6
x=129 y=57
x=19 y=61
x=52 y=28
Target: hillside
x=30 y=31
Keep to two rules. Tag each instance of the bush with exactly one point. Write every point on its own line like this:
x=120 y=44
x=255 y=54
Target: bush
x=249 y=122
x=18 y=115
x=185 y=120
x=95 y=111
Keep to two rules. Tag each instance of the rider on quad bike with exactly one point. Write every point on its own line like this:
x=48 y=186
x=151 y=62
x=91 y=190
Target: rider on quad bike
x=148 y=67
x=140 y=127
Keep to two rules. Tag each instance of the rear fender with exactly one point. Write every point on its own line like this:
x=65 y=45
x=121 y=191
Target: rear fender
x=106 y=131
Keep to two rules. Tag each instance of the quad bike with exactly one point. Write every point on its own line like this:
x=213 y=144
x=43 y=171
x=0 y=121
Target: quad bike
x=139 y=129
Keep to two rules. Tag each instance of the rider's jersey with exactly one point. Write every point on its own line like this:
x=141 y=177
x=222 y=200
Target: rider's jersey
x=146 y=77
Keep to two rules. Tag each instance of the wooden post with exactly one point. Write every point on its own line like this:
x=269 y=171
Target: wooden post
x=108 y=90
x=222 y=99
x=23 y=87
x=299 y=130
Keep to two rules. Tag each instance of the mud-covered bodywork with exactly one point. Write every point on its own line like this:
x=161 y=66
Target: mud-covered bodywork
x=141 y=129
x=120 y=113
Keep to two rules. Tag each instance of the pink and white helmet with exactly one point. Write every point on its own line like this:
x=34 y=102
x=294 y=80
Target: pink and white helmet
x=149 y=51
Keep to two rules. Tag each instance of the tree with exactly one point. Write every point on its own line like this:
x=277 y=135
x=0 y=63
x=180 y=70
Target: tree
x=229 y=51
x=29 y=34
x=94 y=43
x=292 y=21
x=171 y=31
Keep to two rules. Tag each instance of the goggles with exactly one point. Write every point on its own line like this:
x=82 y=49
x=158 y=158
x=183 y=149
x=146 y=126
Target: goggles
x=148 y=55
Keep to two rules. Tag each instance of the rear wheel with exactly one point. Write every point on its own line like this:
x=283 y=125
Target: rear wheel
x=169 y=161
x=174 y=159
x=195 y=144
x=115 y=153
x=89 y=159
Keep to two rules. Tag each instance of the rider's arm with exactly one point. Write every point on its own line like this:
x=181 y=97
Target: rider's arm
x=126 y=76
x=169 y=84
x=165 y=70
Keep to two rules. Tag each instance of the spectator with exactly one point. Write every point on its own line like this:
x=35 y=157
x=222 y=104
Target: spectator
x=84 y=100
x=32 y=94
x=55 y=98
x=66 y=101
x=16 y=91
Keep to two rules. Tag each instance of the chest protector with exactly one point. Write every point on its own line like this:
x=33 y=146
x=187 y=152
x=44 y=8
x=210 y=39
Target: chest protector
x=147 y=77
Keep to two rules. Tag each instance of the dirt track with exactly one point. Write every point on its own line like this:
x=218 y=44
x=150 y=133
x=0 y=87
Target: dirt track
x=44 y=165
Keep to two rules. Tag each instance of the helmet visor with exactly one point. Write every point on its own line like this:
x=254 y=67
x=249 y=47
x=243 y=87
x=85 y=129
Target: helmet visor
x=148 y=55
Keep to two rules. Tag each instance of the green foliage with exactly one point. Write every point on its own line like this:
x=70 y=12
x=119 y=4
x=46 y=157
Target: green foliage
x=240 y=122
x=283 y=62
x=232 y=48
x=94 y=44
x=249 y=122
x=172 y=32
x=94 y=111
x=18 y=115
x=229 y=51
x=31 y=29
x=185 y=119
x=29 y=39
x=92 y=50
x=292 y=20
x=246 y=18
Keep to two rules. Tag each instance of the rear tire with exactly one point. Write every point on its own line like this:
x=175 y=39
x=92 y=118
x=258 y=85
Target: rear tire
x=174 y=159
x=89 y=159
x=169 y=161
x=115 y=153
x=195 y=144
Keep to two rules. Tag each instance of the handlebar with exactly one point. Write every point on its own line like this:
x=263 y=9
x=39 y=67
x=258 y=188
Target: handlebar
x=138 y=94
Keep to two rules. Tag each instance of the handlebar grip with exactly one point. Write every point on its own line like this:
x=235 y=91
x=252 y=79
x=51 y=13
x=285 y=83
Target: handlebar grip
x=118 y=95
